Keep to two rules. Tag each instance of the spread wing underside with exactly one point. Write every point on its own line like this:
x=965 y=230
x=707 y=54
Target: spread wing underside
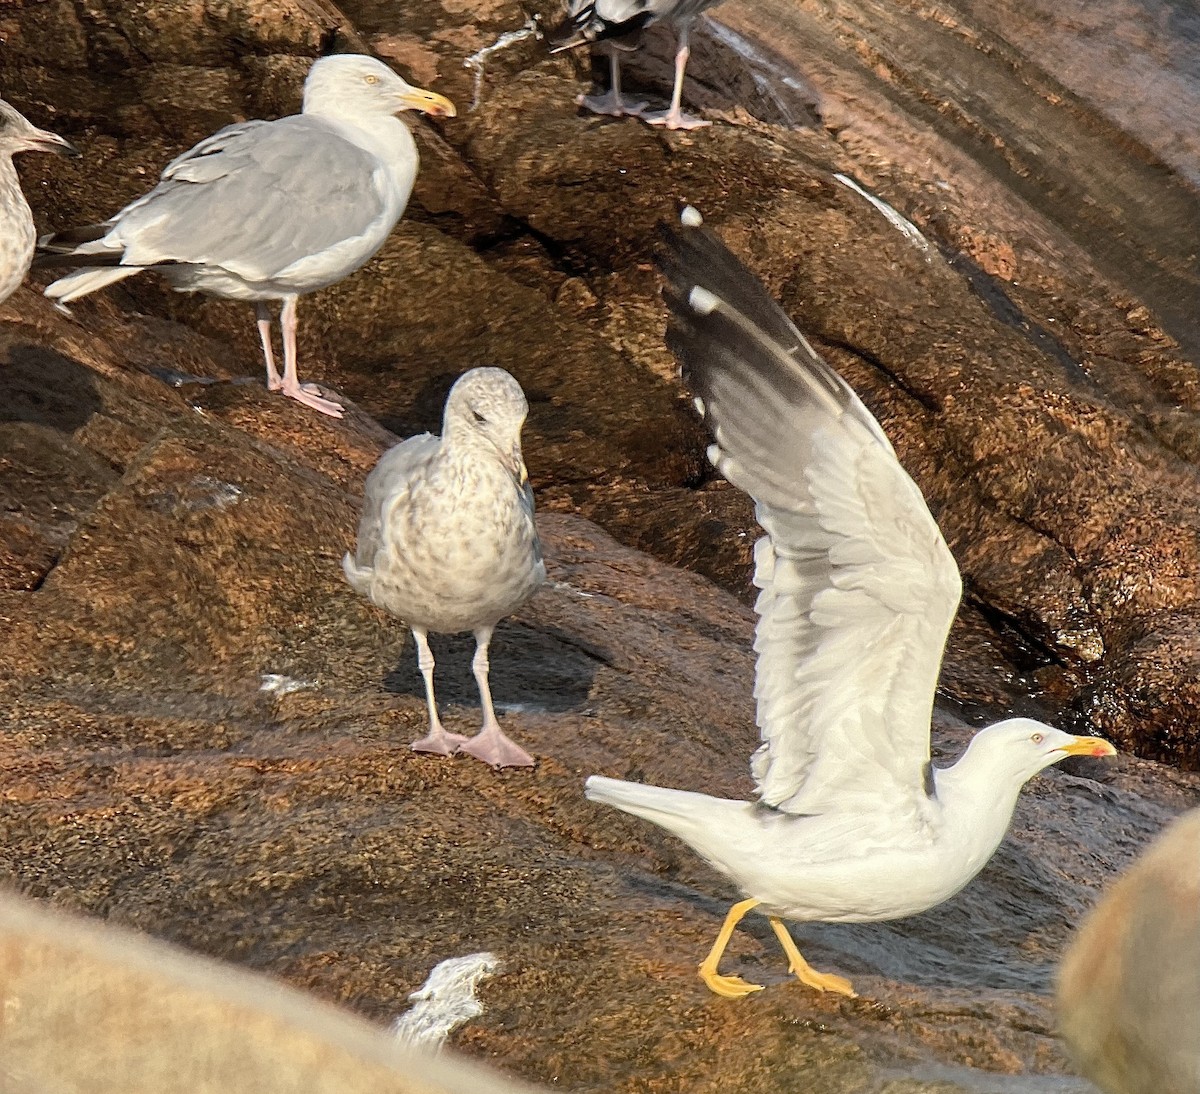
x=857 y=586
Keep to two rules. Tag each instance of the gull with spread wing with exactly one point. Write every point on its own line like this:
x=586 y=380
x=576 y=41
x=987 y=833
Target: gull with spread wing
x=857 y=591
x=264 y=211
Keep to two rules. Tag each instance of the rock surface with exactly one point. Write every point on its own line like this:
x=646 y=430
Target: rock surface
x=90 y=1007
x=170 y=533
x=1021 y=361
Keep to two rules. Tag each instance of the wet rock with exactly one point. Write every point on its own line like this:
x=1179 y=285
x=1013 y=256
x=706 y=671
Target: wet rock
x=206 y=741
x=170 y=532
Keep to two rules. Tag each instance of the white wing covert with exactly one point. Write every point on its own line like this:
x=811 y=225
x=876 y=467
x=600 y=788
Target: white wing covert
x=857 y=586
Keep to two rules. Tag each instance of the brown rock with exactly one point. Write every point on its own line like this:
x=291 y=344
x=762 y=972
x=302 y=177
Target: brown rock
x=170 y=532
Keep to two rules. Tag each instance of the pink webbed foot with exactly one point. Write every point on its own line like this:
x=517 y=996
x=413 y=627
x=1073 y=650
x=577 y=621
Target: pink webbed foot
x=307 y=394
x=439 y=741
x=610 y=104
x=674 y=119
x=492 y=747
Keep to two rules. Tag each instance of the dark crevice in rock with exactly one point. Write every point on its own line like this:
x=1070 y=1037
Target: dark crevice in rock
x=990 y=290
x=927 y=402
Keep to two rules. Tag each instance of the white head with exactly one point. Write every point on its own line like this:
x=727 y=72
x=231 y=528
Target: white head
x=352 y=85
x=18 y=134
x=486 y=408
x=1017 y=749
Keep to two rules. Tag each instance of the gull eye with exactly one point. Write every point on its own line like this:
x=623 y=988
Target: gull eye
x=1037 y=738
x=371 y=79
x=479 y=417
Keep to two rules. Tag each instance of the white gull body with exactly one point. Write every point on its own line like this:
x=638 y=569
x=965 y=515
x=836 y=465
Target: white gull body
x=447 y=540
x=17 y=235
x=857 y=592
x=269 y=210
x=618 y=24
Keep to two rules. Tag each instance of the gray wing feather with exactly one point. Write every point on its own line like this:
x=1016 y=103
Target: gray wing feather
x=858 y=588
x=255 y=198
x=389 y=479
x=621 y=11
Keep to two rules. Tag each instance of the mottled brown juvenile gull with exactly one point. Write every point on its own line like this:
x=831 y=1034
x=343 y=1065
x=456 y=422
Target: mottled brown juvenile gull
x=266 y=211
x=620 y=23
x=857 y=592
x=447 y=541
x=17 y=235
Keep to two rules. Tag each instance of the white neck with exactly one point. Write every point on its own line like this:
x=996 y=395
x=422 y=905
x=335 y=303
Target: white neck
x=977 y=804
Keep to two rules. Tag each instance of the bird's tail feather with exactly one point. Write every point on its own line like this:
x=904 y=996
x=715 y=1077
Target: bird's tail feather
x=87 y=280
x=681 y=812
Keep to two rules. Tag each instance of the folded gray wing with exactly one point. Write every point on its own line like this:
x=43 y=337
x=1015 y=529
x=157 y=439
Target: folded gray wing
x=255 y=199
x=858 y=588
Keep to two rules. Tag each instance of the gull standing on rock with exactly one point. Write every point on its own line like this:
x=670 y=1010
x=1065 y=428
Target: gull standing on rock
x=857 y=592
x=17 y=235
x=619 y=24
x=264 y=211
x=447 y=541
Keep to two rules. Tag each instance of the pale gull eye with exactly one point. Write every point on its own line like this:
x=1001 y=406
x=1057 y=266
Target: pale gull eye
x=1037 y=738
x=372 y=79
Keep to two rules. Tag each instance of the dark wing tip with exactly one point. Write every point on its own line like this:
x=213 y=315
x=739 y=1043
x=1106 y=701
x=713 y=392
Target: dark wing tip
x=586 y=26
x=702 y=274
x=64 y=242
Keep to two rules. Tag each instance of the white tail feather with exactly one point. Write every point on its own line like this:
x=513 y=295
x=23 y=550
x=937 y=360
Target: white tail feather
x=87 y=280
x=694 y=818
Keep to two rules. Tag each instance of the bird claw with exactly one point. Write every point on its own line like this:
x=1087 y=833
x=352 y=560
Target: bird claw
x=670 y=120
x=497 y=751
x=728 y=987
x=302 y=394
x=441 y=742
x=610 y=105
x=824 y=981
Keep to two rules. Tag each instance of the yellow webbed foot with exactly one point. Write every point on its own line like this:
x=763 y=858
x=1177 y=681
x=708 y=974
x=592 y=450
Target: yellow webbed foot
x=803 y=971
x=728 y=987
x=824 y=981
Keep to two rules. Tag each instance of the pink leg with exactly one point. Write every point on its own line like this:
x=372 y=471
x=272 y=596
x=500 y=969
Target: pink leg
x=611 y=103
x=291 y=382
x=675 y=118
x=489 y=744
x=274 y=380
x=437 y=740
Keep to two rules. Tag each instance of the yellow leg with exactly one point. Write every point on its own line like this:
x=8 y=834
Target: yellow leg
x=822 y=981
x=731 y=987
